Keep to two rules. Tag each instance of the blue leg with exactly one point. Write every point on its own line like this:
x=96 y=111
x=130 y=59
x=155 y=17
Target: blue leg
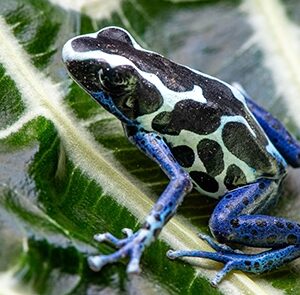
x=180 y=184
x=239 y=218
x=284 y=142
x=253 y=263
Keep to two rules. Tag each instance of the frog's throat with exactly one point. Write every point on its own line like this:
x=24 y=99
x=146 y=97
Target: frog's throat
x=106 y=101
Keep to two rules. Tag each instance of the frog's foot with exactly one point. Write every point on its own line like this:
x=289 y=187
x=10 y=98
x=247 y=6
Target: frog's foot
x=228 y=259
x=132 y=246
x=253 y=263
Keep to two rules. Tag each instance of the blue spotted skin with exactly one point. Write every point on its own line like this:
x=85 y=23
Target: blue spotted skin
x=253 y=263
x=202 y=132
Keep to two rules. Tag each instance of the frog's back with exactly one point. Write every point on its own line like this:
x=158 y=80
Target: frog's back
x=212 y=133
x=205 y=121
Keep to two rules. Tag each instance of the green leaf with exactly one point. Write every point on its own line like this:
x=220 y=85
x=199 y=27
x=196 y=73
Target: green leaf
x=67 y=171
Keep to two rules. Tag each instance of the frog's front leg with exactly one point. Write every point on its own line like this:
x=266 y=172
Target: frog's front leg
x=239 y=218
x=180 y=184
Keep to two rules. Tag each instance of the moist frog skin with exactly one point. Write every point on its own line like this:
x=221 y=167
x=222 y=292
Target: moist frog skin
x=203 y=133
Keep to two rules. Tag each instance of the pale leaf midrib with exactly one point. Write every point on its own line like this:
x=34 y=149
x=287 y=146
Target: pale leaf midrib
x=42 y=96
x=278 y=27
x=278 y=38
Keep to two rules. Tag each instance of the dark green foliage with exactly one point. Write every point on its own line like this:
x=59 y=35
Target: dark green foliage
x=45 y=197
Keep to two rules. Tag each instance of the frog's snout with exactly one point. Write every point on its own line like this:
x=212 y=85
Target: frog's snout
x=66 y=51
x=74 y=49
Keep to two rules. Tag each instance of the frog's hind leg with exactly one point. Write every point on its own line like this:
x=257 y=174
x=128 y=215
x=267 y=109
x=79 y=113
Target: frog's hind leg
x=284 y=142
x=239 y=218
x=254 y=263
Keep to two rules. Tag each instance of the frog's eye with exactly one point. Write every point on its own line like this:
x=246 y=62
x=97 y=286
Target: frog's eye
x=118 y=81
x=107 y=40
x=108 y=79
x=115 y=34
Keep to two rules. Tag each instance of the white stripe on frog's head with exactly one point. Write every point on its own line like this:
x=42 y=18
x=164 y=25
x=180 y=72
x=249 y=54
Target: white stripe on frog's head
x=138 y=81
x=88 y=56
x=115 y=47
x=98 y=41
x=102 y=63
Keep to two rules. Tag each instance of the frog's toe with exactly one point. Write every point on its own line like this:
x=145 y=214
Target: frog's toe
x=97 y=262
x=108 y=237
x=128 y=232
x=229 y=259
x=217 y=246
x=131 y=247
x=105 y=237
x=222 y=273
x=172 y=254
x=134 y=263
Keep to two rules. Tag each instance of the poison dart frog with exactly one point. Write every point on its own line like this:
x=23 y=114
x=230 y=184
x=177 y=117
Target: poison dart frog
x=203 y=133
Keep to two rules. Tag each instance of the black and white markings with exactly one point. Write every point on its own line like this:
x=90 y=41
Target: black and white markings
x=94 y=42
x=205 y=121
x=205 y=181
x=184 y=155
x=211 y=154
x=189 y=115
x=234 y=178
x=251 y=151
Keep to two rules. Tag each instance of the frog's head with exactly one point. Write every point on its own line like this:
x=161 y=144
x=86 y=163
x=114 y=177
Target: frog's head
x=106 y=65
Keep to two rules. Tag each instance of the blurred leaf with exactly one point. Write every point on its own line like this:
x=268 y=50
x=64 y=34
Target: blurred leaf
x=67 y=171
